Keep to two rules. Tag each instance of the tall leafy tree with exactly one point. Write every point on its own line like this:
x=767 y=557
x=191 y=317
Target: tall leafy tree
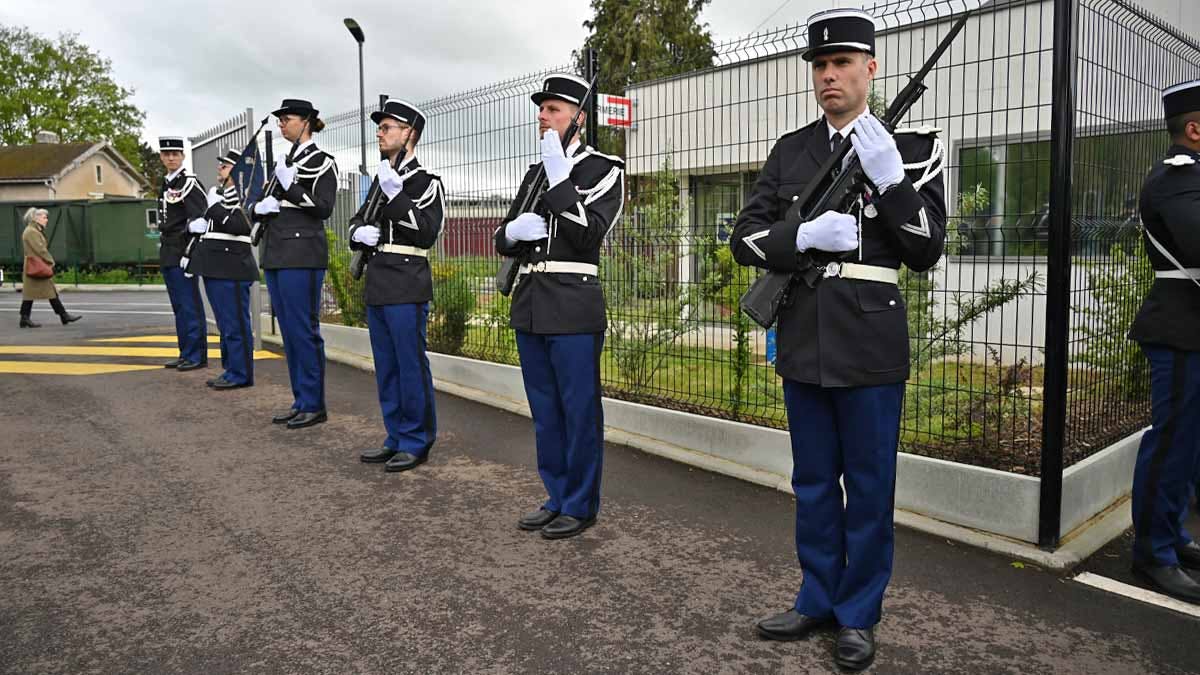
x=65 y=87
x=639 y=40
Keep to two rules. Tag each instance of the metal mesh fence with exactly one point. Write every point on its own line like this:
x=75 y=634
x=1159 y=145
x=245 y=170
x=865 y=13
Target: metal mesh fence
x=977 y=320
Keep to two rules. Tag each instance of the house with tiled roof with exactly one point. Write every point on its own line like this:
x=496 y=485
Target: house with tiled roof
x=50 y=170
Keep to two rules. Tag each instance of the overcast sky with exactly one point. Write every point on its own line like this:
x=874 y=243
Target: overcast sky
x=194 y=64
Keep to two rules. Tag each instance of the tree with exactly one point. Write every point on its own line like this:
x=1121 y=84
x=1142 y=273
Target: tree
x=64 y=87
x=639 y=40
x=152 y=167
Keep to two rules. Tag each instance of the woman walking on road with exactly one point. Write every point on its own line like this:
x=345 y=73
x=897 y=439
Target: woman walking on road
x=33 y=241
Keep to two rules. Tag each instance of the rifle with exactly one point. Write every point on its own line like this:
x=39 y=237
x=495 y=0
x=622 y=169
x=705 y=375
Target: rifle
x=258 y=233
x=186 y=260
x=506 y=276
x=360 y=258
x=769 y=292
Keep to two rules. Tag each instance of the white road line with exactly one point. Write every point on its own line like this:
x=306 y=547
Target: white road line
x=1139 y=594
x=100 y=304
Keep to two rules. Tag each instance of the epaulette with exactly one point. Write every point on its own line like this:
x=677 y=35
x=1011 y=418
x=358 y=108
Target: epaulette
x=312 y=169
x=589 y=151
x=1180 y=160
x=923 y=130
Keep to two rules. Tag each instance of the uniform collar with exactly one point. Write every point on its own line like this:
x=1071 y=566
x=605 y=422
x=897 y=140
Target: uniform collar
x=574 y=148
x=408 y=159
x=303 y=146
x=1177 y=149
x=172 y=176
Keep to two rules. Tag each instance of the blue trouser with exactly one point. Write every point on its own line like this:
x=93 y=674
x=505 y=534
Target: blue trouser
x=402 y=375
x=296 y=299
x=191 y=330
x=230 y=302
x=845 y=547
x=562 y=383
x=1165 y=473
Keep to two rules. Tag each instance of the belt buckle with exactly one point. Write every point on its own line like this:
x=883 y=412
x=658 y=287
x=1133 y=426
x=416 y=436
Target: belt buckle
x=540 y=266
x=833 y=269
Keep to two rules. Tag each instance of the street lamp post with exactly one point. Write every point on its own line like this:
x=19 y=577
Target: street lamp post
x=357 y=32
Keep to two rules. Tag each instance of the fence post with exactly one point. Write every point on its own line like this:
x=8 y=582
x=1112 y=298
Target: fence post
x=591 y=132
x=255 y=288
x=1058 y=276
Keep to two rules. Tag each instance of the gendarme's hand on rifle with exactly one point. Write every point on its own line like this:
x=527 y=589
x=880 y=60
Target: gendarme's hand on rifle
x=367 y=235
x=213 y=196
x=285 y=174
x=558 y=167
x=831 y=231
x=877 y=152
x=198 y=226
x=526 y=227
x=389 y=181
x=267 y=206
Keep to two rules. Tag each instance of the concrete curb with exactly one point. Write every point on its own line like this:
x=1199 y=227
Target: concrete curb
x=1087 y=538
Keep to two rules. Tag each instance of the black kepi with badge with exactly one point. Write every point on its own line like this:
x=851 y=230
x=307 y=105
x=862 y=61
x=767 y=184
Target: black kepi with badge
x=563 y=87
x=296 y=106
x=170 y=143
x=840 y=30
x=1181 y=99
x=401 y=111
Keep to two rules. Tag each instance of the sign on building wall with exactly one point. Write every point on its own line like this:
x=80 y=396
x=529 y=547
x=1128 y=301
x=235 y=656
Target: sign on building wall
x=614 y=111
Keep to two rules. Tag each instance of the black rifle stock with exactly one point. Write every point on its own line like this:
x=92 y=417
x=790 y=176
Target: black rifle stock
x=510 y=267
x=360 y=258
x=260 y=231
x=768 y=293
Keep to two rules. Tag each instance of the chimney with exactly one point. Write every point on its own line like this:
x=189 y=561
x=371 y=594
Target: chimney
x=47 y=137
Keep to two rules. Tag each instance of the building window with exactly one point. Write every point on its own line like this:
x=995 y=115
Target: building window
x=99 y=174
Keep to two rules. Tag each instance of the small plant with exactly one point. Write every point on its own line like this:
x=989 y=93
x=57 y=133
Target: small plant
x=347 y=290
x=1118 y=284
x=453 y=303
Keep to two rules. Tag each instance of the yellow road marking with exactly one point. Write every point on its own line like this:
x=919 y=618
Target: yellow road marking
x=66 y=368
x=168 y=339
x=147 y=352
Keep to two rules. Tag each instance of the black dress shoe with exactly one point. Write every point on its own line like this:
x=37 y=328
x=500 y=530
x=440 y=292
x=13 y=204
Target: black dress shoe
x=68 y=318
x=855 y=648
x=173 y=364
x=1189 y=556
x=403 y=461
x=1171 y=580
x=219 y=378
x=223 y=384
x=307 y=419
x=190 y=365
x=26 y=322
x=564 y=526
x=376 y=456
x=536 y=520
x=789 y=625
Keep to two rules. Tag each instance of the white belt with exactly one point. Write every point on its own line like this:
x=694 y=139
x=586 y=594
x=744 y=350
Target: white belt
x=561 y=267
x=1185 y=273
x=241 y=238
x=848 y=270
x=402 y=250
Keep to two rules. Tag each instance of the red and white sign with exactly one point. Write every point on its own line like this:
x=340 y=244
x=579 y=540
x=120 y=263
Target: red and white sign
x=614 y=111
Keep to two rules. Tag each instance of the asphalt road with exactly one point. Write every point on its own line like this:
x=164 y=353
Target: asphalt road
x=148 y=525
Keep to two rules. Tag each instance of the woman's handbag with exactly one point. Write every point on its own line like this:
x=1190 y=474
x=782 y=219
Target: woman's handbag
x=37 y=268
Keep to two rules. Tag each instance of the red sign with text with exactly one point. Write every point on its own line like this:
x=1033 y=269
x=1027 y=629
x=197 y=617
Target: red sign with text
x=614 y=111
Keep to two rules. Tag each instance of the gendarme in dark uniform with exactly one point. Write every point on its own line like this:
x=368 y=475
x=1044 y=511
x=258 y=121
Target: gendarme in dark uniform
x=399 y=285
x=558 y=309
x=225 y=258
x=1168 y=329
x=295 y=255
x=843 y=340
x=181 y=205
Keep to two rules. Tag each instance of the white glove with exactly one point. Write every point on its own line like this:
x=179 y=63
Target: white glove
x=389 y=181
x=267 y=206
x=526 y=227
x=558 y=167
x=198 y=226
x=214 y=196
x=366 y=234
x=285 y=174
x=830 y=231
x=876 y=150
